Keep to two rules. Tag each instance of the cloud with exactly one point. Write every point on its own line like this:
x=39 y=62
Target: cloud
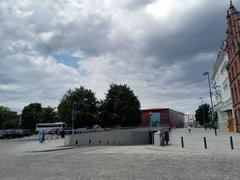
x=158 y=47
x=46 y=36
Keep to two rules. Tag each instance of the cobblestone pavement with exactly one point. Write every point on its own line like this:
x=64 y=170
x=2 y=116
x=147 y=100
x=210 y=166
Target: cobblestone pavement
x=123 y=162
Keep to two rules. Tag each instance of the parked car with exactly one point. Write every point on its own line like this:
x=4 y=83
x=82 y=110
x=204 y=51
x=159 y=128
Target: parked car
x=3 y=134
x=28 y=132
x=19 y=133
x=11 y=133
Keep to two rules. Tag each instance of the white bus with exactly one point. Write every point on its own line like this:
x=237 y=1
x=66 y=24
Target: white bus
x=46 y=127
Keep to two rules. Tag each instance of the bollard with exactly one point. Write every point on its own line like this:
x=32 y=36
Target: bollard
x=231 y=142
x=215 y=132
x=182 y=142
x=205 y=142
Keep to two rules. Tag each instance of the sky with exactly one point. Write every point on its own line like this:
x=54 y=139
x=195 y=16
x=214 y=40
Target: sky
x=159 y=48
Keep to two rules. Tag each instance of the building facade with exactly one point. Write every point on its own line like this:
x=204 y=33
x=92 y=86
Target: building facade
x=233 y=67
x=162 y=117
x=221 y=91
x=190 y=120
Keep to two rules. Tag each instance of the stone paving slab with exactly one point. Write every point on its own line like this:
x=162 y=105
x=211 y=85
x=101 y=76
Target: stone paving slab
x=147 y=162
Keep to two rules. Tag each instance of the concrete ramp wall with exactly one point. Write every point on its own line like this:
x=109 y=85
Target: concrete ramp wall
x=115 y=137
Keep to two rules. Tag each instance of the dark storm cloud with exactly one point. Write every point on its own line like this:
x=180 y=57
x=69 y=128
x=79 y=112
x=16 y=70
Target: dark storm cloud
x=203 y=33
x=85 y=36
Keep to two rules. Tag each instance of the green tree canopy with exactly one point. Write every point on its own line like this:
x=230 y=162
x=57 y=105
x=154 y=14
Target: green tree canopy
x=202 y=114
x=120 y=107
x=84 y=104
x=31 y=115
x=10 y=124
x=4 y=117
x=49 y=115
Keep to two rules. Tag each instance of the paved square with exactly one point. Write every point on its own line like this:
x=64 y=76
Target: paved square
x=26 y=159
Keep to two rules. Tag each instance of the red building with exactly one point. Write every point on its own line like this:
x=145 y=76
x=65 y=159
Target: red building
x=163 y=117
x=233 y=67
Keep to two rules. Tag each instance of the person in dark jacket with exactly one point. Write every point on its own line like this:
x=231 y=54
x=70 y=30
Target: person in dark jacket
x=62 y=133
x=166 y=135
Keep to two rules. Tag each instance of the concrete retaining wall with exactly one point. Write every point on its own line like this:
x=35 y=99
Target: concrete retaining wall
x=115 y=137
x=157 y=138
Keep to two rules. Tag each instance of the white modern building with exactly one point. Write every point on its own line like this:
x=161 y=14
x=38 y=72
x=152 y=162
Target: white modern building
x=189 y=120
x=221 y=90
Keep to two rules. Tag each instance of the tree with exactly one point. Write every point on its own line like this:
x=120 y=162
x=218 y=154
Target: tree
x=31 y=115
x=83 y=103
x=202 y=114
x=49 y=115
x=120 y=107
x=4 y=116
x=10 y=124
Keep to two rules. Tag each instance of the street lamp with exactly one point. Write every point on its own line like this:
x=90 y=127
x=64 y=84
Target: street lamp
x=210 y=93
x=150 y=115
x=73 y=114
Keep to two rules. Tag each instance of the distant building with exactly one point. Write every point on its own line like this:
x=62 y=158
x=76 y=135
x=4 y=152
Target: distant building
x=233 y=67
x=162 y=117
x=14 y=116
x=189 y=120
x=221 y=90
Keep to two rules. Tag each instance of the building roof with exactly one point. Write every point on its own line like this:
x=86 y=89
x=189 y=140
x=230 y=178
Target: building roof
x=155 y=109
x=160 y=109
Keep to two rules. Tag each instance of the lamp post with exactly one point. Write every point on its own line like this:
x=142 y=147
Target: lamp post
x=73 y=114
x=210 y=93
x=150 y=115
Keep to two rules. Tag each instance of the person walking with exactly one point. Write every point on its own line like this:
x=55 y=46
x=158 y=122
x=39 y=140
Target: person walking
x=189 y=129
x=40 y=136
x=166 y=136
x=43 y=136
x=62 y=133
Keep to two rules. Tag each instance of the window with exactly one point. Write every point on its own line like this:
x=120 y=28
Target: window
x=233 y=96
x=235 y=91
x=236 y=68
x=235 y=113
x=229 y=75
x=239 y=87
x=238 y=113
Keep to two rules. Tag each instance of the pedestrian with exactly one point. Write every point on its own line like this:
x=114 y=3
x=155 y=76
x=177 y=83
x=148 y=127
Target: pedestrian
x=40 y=136
x=205 y=126
x=43 y=136
x=189 y=129
x=62 y=133
x=166 y=136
